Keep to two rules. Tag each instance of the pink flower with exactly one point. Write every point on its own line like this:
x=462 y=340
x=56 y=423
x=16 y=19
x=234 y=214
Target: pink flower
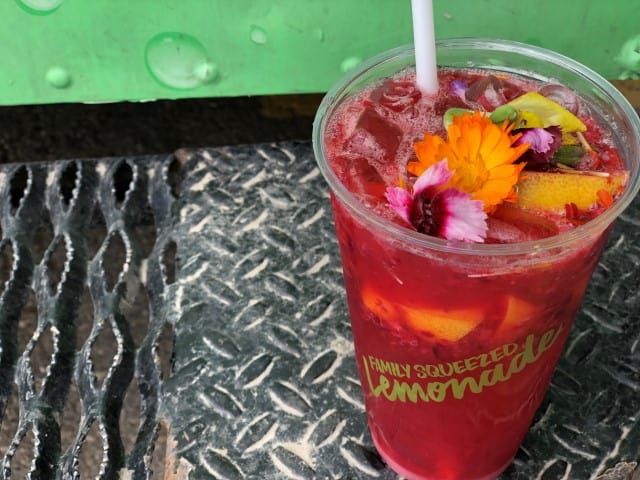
x=447 y=213
x=543 y=144
x=538 y=139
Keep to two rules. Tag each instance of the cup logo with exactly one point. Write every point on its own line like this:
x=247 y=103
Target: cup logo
x=404 y=382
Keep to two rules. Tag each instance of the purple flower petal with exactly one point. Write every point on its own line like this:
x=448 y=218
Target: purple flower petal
x=459 y=89
x=538 y=139
x=458 y=217
x=400 y=202
x=449 y=214
x=544 y=143
x=436 y=175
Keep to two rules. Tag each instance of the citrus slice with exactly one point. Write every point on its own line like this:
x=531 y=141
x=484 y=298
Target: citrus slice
x=377 y=304
x=518 y=312
x=450 y=325
x=532 y=106
x=552 y=190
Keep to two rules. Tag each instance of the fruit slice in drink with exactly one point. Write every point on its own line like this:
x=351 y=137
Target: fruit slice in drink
x=551 y=191
x=518 y=312
x=444 y=324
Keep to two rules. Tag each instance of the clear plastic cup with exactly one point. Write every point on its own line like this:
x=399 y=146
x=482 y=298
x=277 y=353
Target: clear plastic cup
x=456 y=343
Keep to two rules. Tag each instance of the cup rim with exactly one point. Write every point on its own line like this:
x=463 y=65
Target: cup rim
x=421 y=240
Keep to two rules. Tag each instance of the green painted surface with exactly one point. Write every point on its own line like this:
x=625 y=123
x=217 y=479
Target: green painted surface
x=113 y=50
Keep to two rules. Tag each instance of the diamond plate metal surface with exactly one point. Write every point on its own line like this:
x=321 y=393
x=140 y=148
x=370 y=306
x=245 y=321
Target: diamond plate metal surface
x=74 y=198
x=239 y=260
x=265 y=384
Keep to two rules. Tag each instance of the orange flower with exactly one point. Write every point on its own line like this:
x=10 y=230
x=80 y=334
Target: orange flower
x=480 y=153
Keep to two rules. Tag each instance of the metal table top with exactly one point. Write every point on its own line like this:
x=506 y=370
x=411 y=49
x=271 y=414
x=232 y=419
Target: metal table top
x=263 y=381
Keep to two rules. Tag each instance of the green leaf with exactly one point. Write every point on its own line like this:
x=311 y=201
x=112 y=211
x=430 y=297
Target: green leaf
x=502 y=113
x=569 y=154
x=450 y=114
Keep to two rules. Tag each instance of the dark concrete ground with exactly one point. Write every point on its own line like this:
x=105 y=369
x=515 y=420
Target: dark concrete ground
x=50 y=132
x=63 y=131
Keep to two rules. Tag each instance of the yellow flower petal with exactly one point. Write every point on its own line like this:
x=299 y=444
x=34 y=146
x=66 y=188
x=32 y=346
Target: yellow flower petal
x=481 y=155
x=505 y=171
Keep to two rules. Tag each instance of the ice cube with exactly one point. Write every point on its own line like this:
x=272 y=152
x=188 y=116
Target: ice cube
x=487 y=92
x=502 y=232
x=361 y=177
x=562 y=95
x=509 y=223
x=376 y=139
x=444 y=104
x=374 y=136
x=490 y=92
x=396 y=95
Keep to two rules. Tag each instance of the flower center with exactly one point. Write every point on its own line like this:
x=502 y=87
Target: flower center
x=471 y=174
x=425 y=224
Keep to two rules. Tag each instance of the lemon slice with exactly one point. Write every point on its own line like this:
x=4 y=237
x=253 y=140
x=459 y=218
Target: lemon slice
x=378 y=305
x=532 y=106
x=450 y=325
x=552 y=190
x=518 y=311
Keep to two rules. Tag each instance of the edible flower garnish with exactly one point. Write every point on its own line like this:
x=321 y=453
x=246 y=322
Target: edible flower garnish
x=459 y=89
x=538 y=139
x=543 y=145
x=436 y=210
x=480 y=154
x=462 y=179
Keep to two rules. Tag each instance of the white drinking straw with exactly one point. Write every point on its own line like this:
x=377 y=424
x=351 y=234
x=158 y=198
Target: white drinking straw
x=424 y=40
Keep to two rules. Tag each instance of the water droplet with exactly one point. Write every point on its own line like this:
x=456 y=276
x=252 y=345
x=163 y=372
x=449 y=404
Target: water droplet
x=349 y=62
x=58 y=77
x=318 y=33
x=39 y=7
x=179 y=60
x=258 y=35
x=206 y=72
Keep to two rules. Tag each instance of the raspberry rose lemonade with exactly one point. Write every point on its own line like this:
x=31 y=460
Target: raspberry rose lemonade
x=469 y=222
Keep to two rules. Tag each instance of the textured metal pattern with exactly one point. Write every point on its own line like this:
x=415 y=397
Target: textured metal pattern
x=265 y=384
x=76 y=199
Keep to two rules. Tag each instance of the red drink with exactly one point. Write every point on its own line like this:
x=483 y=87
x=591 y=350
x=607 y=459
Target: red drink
x=456 y=342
